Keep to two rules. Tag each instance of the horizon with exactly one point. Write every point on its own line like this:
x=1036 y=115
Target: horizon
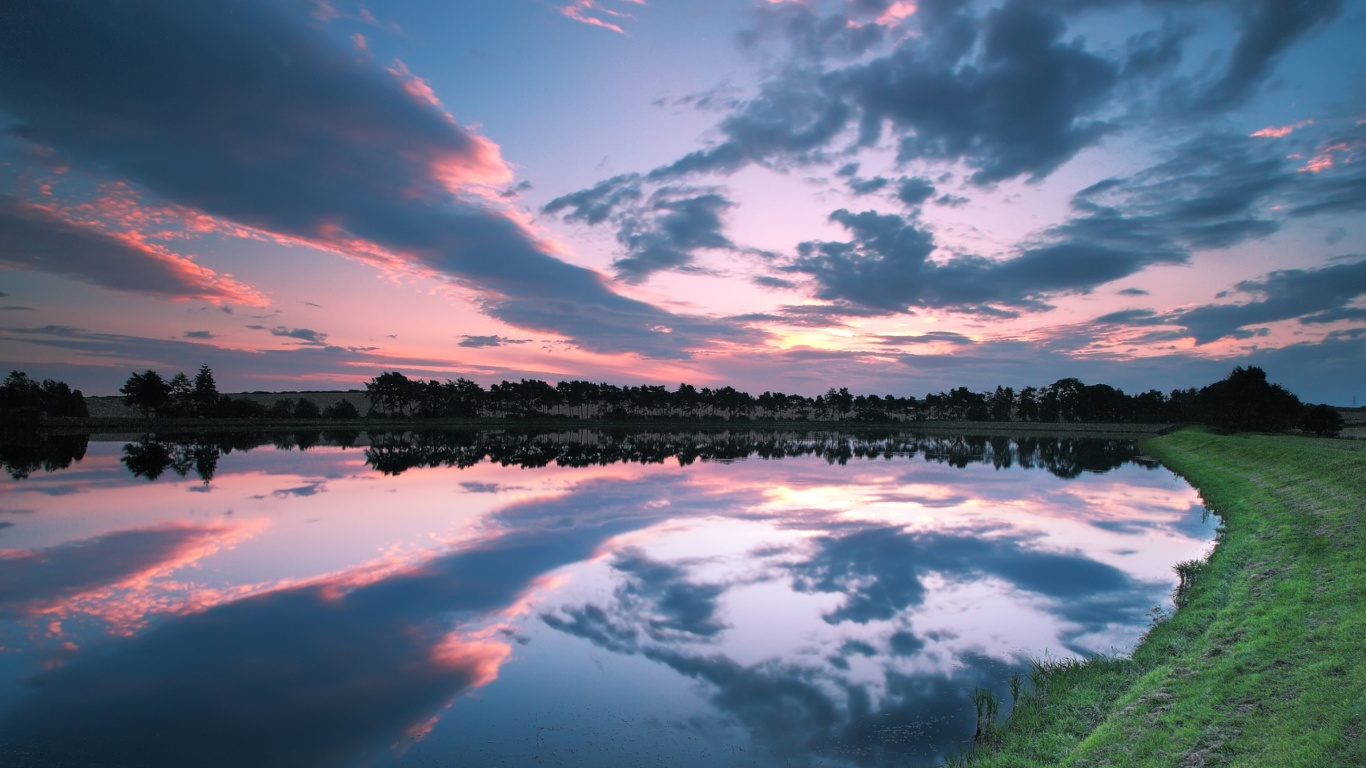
x=894 y=197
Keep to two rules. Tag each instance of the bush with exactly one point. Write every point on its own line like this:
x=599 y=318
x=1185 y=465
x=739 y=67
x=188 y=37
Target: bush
x=342 y=409
x=1322 y=420
x=306 y=409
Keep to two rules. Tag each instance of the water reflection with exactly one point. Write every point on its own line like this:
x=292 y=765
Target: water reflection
x=583 y=598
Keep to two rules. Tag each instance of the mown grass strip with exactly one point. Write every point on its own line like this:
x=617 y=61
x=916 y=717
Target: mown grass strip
x=1265 y=665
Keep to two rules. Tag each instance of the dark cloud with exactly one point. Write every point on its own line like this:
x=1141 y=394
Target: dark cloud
x=1312 y=295
x=477 y=342
x=868 y=186
x=769 y=281
x=1267 y=29
x=667 y=232
x=1133 y=292
x=1213 y=192
x=904 y=643
x=311 y=489
x=31 y=238
x=317 y=675
x=43 y=578
x=1027 y=105
x=930 y=337
x=306 y=335
x=336 y=150
x=886 y=266
x=674 y=606
x=205 y=335
x=811 y=36
x=791 y=121
x=914 y=190
x=880 y=570
x=596 y=204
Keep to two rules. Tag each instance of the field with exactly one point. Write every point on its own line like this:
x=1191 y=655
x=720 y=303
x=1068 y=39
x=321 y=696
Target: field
x=1264 y=665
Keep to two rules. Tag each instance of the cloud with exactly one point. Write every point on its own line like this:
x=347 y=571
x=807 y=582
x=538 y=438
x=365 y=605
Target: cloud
x=329 y=673
x=1267 y=29
x=867 y=186
x=667 y=233
x=886 y=266
x=203 y=335
x=914 y=190
x=597 y=13
x=1319 y=295
x=42 y=579
x=33 y=238
x=477 y=342
x=338 y=152
x=306 y=335
x=1024 y=107
x=880 y=570
x=677 y=607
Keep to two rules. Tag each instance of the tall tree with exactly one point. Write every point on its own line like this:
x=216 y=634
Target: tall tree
x=205 y=395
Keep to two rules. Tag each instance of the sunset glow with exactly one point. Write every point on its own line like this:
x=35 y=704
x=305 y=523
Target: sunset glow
x=769 y=195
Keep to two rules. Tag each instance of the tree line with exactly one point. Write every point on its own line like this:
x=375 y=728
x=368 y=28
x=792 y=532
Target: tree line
x=1244 y=401
x=183 y=397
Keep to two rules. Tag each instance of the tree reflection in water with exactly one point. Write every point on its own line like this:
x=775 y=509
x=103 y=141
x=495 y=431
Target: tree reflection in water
x=393 y=453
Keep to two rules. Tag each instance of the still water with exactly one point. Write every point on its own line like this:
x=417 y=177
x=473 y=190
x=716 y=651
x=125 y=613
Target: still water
x=577 y=599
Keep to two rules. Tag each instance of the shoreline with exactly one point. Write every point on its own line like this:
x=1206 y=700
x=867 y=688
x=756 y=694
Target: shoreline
x=95 y=427
x=1263 y=664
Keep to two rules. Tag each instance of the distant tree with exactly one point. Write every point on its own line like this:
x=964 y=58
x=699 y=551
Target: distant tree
x=391 y=393
x=1322 y=420
x=342 y=409
x=19 y=391
x=1029 y=404
x=1001 y=403
x=283 y=409
x=306 y=409
x=205 y=395
x=182 y=395
x=241 y=408
x=146 y=391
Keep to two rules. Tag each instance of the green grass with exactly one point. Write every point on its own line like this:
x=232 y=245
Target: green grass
x=1265 y=665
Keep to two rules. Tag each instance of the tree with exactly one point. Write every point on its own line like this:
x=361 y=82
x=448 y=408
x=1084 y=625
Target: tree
x=182 y=391
x=342 y=409
x=146 y=391
x=1245 y=402
x=205 y=394
x=306 y=409
x=1322 y=420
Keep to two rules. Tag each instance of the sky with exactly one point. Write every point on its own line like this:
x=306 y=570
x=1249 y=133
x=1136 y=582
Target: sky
x=895 y=197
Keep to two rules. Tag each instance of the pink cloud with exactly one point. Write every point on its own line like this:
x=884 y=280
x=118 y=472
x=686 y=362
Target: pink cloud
x=111 y=253
x=1277 y=131
x=584 y=10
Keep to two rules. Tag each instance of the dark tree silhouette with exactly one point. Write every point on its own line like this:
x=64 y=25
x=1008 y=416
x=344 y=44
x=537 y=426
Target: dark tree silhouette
x=146 y=391
x=306 y=409
x=205 y=395
x=1322 y=420
x=1246 y=402
x=342 y=409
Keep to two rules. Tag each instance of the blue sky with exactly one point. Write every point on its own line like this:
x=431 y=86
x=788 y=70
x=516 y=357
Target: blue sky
x=896 y=197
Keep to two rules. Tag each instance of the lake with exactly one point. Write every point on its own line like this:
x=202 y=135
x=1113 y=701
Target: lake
x=579 y=598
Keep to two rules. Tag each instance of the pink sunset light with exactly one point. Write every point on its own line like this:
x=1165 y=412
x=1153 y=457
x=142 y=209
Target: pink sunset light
x=756 y=194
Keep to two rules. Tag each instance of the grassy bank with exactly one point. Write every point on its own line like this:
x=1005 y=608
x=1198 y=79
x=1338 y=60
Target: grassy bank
x=1265 y=665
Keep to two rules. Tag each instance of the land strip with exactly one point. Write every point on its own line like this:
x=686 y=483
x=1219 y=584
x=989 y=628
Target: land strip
x=1264 y=665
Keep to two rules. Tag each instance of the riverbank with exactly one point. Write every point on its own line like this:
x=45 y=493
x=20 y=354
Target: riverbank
x=1265 y=664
